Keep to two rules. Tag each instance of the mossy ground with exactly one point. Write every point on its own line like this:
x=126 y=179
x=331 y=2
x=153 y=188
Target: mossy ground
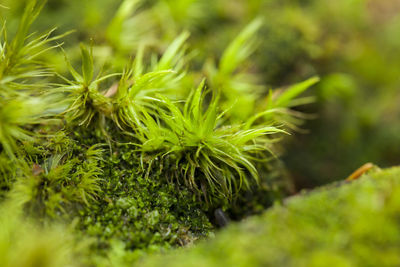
x=141 y=162
x=135 y=176
x=347 y=224
x=134 y=212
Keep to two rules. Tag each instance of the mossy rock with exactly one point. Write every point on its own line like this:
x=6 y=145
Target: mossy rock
x=346 y=224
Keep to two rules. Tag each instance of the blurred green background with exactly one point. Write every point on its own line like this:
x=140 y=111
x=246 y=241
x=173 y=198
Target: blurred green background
x=353 y=45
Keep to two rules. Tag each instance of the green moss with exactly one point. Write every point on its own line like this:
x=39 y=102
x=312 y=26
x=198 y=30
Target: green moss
x=125 y=158
x=143 y=213
x=143 y=193
x=136 y=214
x=348 y=224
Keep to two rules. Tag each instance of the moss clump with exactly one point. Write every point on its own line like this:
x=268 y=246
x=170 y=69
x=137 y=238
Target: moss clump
x=140 y=214
x=354 y=224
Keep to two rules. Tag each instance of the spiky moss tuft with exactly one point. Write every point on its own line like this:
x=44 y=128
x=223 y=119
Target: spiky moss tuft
x=354 y=224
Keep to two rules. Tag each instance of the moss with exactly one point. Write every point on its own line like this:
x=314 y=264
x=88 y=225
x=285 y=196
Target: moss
x=143 y=213
x=350 y=224
x=135 y=213
x=142 y=194
x=105 y=194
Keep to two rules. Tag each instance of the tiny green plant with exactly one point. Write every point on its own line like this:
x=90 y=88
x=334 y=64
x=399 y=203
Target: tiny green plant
x=22 y=82
x=86 y=100
x=59 y=182
x=278 y=106
x=15 y=115
x=212 y=158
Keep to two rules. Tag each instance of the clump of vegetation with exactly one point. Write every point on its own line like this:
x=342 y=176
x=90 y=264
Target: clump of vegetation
x=137 y=153
x=140 y=214
x=60 y=182
x=20 y=75
x=165 y=127
x=211 y=158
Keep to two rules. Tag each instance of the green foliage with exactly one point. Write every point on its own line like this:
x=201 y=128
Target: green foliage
x=85 y=99
x=280 y=104
x=21 y=80
x=142 y=102
x=137 y=90
x=17 y=56
x=60 y=183
x=15 y=115
x=174 y=155
x=214 y=154
x=212 y=158
x=335 y=224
